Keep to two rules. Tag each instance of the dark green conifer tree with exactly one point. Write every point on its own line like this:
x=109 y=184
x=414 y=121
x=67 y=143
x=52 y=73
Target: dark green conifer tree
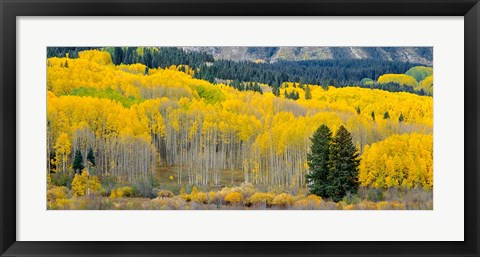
x=91 y=156
x=117 y=55
x=318 y=160
x=343 y=166
x=386 y=115
x=77 y=164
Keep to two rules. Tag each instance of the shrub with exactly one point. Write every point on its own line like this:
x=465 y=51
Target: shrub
x=55 y=195
x=398 y=206
x=283 y=200
x=200 y=197
x=165 y=194
x=315 y=198
x=173 y=203
x=261 y=198
x=383 y=205
x=184 y=195
x=351 y=199
x=61 y=178
x=109 y=183
x=233 y=198
x=119 y=192
x=127 y=191
x=211 y=196
x=217 y=198
x=366 y=205
x=246 y=189
x=144 y=187
x=194 y=191
x=311 y=202
x=340 y=205
x=113 y=194
x=62 y=204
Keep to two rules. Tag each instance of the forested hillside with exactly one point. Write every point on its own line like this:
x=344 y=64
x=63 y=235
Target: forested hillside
x=141 y=131
x=340 y=71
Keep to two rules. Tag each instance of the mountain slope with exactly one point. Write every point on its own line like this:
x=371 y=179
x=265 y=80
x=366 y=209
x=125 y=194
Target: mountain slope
x=421 y=55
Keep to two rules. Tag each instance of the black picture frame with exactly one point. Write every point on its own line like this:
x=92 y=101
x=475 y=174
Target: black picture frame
x=10 y=9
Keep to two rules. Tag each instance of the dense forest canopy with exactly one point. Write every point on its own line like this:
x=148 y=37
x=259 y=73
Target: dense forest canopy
x=339 y=72
x=135 y=127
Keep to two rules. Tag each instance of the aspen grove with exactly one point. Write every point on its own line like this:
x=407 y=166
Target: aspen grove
x=136 y=122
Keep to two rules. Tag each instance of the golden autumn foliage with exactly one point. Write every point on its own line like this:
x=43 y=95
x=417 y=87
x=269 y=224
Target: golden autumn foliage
x=127 y=191
x=283 y=200
x=200 y=197
x=427 y=84
x=62 y=148
x=310 y=202
x=85 y=184
x=136 y=118
x=401 y=79
x=233 y=198
x=261 y=198
x=56 y=197
x=398 y=161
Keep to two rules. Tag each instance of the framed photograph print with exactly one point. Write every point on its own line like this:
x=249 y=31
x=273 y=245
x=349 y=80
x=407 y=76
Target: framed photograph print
x=239 y=128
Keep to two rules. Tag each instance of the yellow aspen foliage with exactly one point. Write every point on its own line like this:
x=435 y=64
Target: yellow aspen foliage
x=85 y=184
x=62 y=147
x=403 y=161
x=401 y=79
x=135 y=121
x=100 y=57
x=427 y=84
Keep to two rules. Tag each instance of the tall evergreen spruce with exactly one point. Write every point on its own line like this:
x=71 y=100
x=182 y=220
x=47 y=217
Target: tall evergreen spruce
x=117 y=55
x=91 y=156
x=333 y=164
x=343 y=166
x=318 y=161
x=77 y=165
